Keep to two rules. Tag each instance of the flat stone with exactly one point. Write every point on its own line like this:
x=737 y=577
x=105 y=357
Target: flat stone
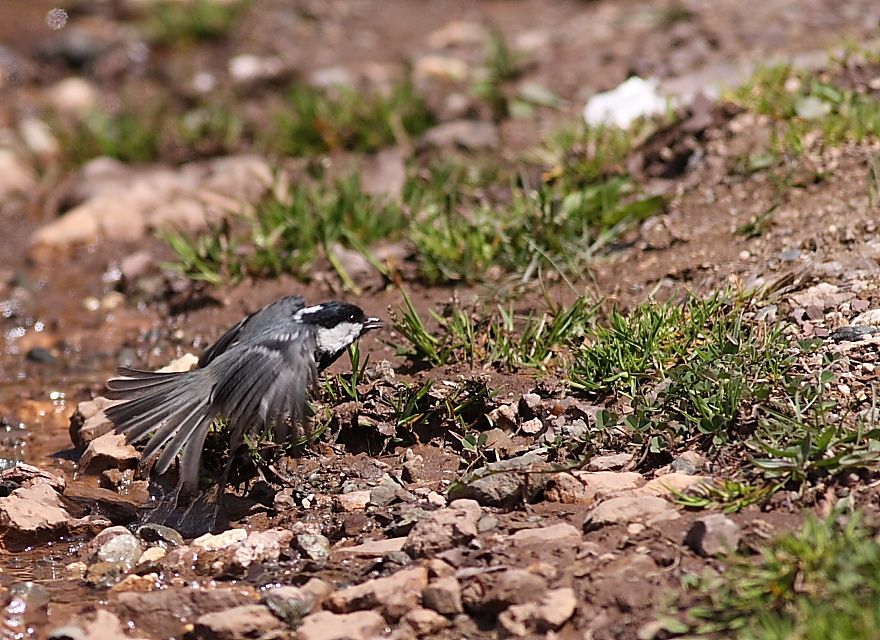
x=669 y=484
x=325 y=625
x=544 y=535
x=247 y=621
x=394 y=595
x=610 y=462
x=625 y=509
x=108 y=451
x=373 y=548
x=443 y=529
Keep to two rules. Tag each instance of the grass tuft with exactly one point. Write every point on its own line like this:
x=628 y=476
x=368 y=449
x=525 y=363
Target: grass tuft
x=819 y=582
x=342 y=118
x=172 y=21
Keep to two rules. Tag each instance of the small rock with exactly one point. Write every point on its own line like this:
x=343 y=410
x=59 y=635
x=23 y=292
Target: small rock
x=331 y=77
x=553 y=610
x=324 y=625
x=245 y=68
x=138 y=583
x=374 y=548
x=587 y=487
x=853 y=334
x=123 y=549
x=443 y=596
x=823 y=295
x=26 y=475
x=443 y=529
x=394 y=595
x=510 y=587
x=386 y=492
x=256 y=548
x=135 y=265
x=504 y=417
x=152 y=556
x=354 y=500
x=291 y=603
x=530 y=406
x=505 y=484
x=247 y=621
x=160 y=534
x=423 y=622
x=713 y=535
x=610 y=462
x=109 y=451
x=667 y=485
x=532 y=427
x=30 y=515
x=99 y=625
x=623 y=510
x=467 y=134
x=313 y=546
x=870 y=318
x=689 y=463
x=457 y=34
x=216 y=542
x=74 y=95
x=544 y=535
x=16 y=177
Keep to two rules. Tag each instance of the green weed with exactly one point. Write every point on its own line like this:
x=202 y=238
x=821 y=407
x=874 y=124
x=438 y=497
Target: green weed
x=821 y=582
x=691 y=371
x=501 y=339
x=801 y=103
x=289 y=235
x=320 y=121
x=171 y=21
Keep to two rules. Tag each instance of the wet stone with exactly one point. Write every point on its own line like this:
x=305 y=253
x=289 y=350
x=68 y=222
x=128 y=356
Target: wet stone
x=313 y=546
x=159 y=534
x=325 y=625
x=246 y=621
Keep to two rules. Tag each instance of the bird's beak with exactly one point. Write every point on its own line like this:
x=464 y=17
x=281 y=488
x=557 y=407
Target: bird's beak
x=373 y=323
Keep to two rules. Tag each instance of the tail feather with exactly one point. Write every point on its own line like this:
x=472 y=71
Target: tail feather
x=182 y=423
x=172 y=406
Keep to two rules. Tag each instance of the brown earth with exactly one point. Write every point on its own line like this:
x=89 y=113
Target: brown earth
x=622 y=575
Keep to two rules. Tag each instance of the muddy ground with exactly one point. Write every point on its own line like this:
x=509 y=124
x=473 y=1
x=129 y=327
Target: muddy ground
x=70 y=315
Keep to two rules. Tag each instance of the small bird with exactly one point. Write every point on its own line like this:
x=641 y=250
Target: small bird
x=256 y=376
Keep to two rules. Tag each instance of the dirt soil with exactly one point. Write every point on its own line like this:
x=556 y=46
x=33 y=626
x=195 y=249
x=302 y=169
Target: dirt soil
x=56 y=350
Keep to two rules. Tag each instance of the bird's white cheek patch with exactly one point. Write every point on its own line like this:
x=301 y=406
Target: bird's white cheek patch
x=339 y=337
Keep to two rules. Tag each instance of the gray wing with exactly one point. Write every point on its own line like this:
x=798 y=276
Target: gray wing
x=266 y=382
x=275 y=312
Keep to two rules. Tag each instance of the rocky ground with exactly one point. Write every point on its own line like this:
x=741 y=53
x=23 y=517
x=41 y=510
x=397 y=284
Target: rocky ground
x=628 y=376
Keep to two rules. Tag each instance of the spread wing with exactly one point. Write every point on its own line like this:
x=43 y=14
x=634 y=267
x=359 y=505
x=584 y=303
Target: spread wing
x=267 y=382
x=279 y=310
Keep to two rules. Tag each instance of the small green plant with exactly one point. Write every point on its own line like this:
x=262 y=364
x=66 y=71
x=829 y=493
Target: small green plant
x=729 y=496
x=801 y=102
x=171 y=21
x=501 y=339
x=691 y=371
x=537 y=227
x=502 y=66
x=817 y=583
x=130 y=134
x=320 y=121
x=344 y=387
x=290 y=234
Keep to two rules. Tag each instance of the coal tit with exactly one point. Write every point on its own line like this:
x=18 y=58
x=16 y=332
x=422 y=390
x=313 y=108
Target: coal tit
x=256 y=376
